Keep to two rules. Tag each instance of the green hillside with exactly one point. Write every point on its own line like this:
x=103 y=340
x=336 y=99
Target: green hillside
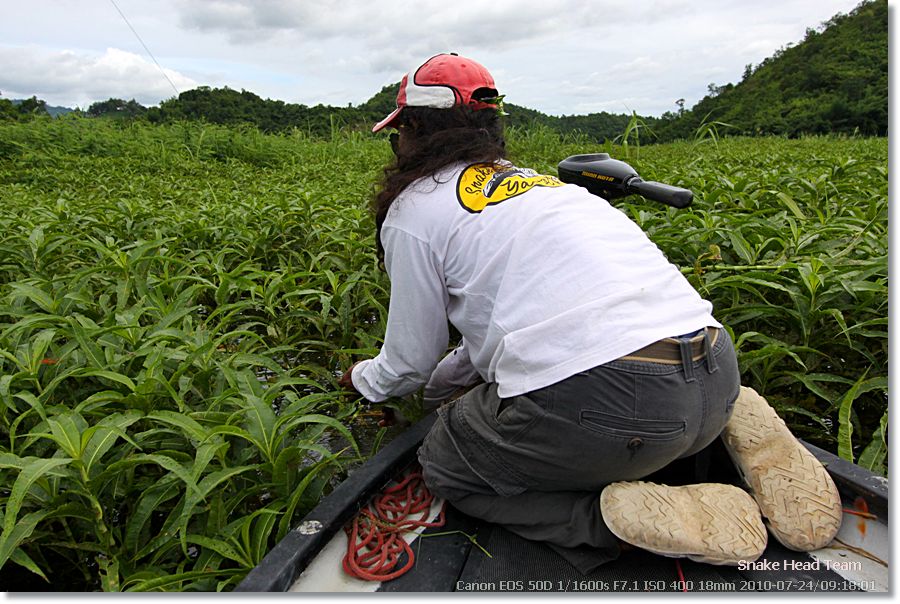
x=835 y=80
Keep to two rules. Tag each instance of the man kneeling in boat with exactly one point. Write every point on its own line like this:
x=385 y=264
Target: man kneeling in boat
x=600 y=363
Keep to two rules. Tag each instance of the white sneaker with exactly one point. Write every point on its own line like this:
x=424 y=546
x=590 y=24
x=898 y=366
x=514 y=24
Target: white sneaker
x=711 y=523
x=795 y=493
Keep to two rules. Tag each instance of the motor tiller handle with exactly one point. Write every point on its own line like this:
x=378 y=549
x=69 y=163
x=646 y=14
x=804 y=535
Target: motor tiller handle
x=611 y=178
x=661 y=192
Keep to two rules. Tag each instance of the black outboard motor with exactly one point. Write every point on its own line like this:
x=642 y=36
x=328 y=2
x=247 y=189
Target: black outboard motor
x=610 y=178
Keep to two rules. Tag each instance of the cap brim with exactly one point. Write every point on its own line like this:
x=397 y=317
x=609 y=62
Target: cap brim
x=386 y=122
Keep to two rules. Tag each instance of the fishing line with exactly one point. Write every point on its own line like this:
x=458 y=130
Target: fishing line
x=161 y=70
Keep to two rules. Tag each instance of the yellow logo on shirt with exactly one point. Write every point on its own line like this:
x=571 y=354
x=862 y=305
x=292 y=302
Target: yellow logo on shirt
x=482 y=185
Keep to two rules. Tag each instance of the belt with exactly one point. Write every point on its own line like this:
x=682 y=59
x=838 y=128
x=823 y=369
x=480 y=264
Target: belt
x=668 y=350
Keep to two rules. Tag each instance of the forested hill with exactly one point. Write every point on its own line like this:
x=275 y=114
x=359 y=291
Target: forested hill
x=835 y=80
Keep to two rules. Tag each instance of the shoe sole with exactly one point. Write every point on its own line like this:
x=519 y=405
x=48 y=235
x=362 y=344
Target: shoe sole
x=795 y=493
x=711 y=523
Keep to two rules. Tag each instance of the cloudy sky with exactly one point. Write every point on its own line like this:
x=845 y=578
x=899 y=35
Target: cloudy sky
x=557 y=56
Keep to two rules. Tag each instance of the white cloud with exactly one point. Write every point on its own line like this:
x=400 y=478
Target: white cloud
x=70 y=78
x=394 y=35
x=557 y=56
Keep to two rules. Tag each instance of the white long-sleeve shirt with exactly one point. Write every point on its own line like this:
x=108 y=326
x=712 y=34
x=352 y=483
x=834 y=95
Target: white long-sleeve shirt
x=543 y=280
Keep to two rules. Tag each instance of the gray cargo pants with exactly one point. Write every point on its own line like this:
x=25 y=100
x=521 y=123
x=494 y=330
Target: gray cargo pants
x=536 y=463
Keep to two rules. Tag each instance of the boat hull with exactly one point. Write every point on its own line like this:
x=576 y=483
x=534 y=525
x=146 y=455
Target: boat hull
x=470 y=555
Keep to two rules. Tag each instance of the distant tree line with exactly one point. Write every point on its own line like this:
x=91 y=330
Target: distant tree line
x=835 y=80
x=598 y=126
x=117 y=108
x=22 y=110
x=227 y=106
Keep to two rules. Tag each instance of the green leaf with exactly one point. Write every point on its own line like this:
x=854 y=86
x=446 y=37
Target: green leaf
x=171 y=465
x=101 y=437
x=66 y=429
x=33 y=402
x=109 y=375
x=73 y=509
x=255 y=532
x=214 y=479
x=192 y=428
x=41 y=298
x=162 y=543
x=809 y=274
x=39 y=347
x=243 y=359
x=22 y=559
x=5 y=398
x=288 y=458
x=791 y=205
x=149 y=502
x=236 y=431
x=261 y=421
x=206 y=486
x=176 y=580
x=86 y=342
x=740 y=245
x=839 y=319
x=223 y=548
x=36 y=239
x=861 y=387
x=328 y=421
x=873 y=456
x=14 y=533
x=806 y=413
x=109 y=572
x=98 y=400
x=845 y=426
x=811 y=382
x=285 y=524
x=743 y=281
x=12 y=461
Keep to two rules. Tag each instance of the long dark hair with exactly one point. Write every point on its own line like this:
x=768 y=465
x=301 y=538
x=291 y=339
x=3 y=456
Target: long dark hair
x=434 y=138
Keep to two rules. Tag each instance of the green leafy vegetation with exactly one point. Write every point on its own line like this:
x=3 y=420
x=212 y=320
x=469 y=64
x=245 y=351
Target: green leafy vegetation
x=22 y=110
x=178 y=301
x=788 y=239
x=174 y=307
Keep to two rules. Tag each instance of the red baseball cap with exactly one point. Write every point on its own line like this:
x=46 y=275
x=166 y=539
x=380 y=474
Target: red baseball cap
x=443 y=81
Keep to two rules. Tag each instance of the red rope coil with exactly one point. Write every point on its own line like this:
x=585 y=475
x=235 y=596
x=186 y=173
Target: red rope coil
x=375 y=536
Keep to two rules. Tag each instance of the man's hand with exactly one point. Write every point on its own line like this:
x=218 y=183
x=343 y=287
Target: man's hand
x=454 y=372
x=346 y=382
x=388 y=417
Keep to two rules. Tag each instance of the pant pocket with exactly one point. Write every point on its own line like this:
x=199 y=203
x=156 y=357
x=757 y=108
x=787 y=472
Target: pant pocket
x=517 y=416
x=630 y=449
x=457 y=460
x=614 y=425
